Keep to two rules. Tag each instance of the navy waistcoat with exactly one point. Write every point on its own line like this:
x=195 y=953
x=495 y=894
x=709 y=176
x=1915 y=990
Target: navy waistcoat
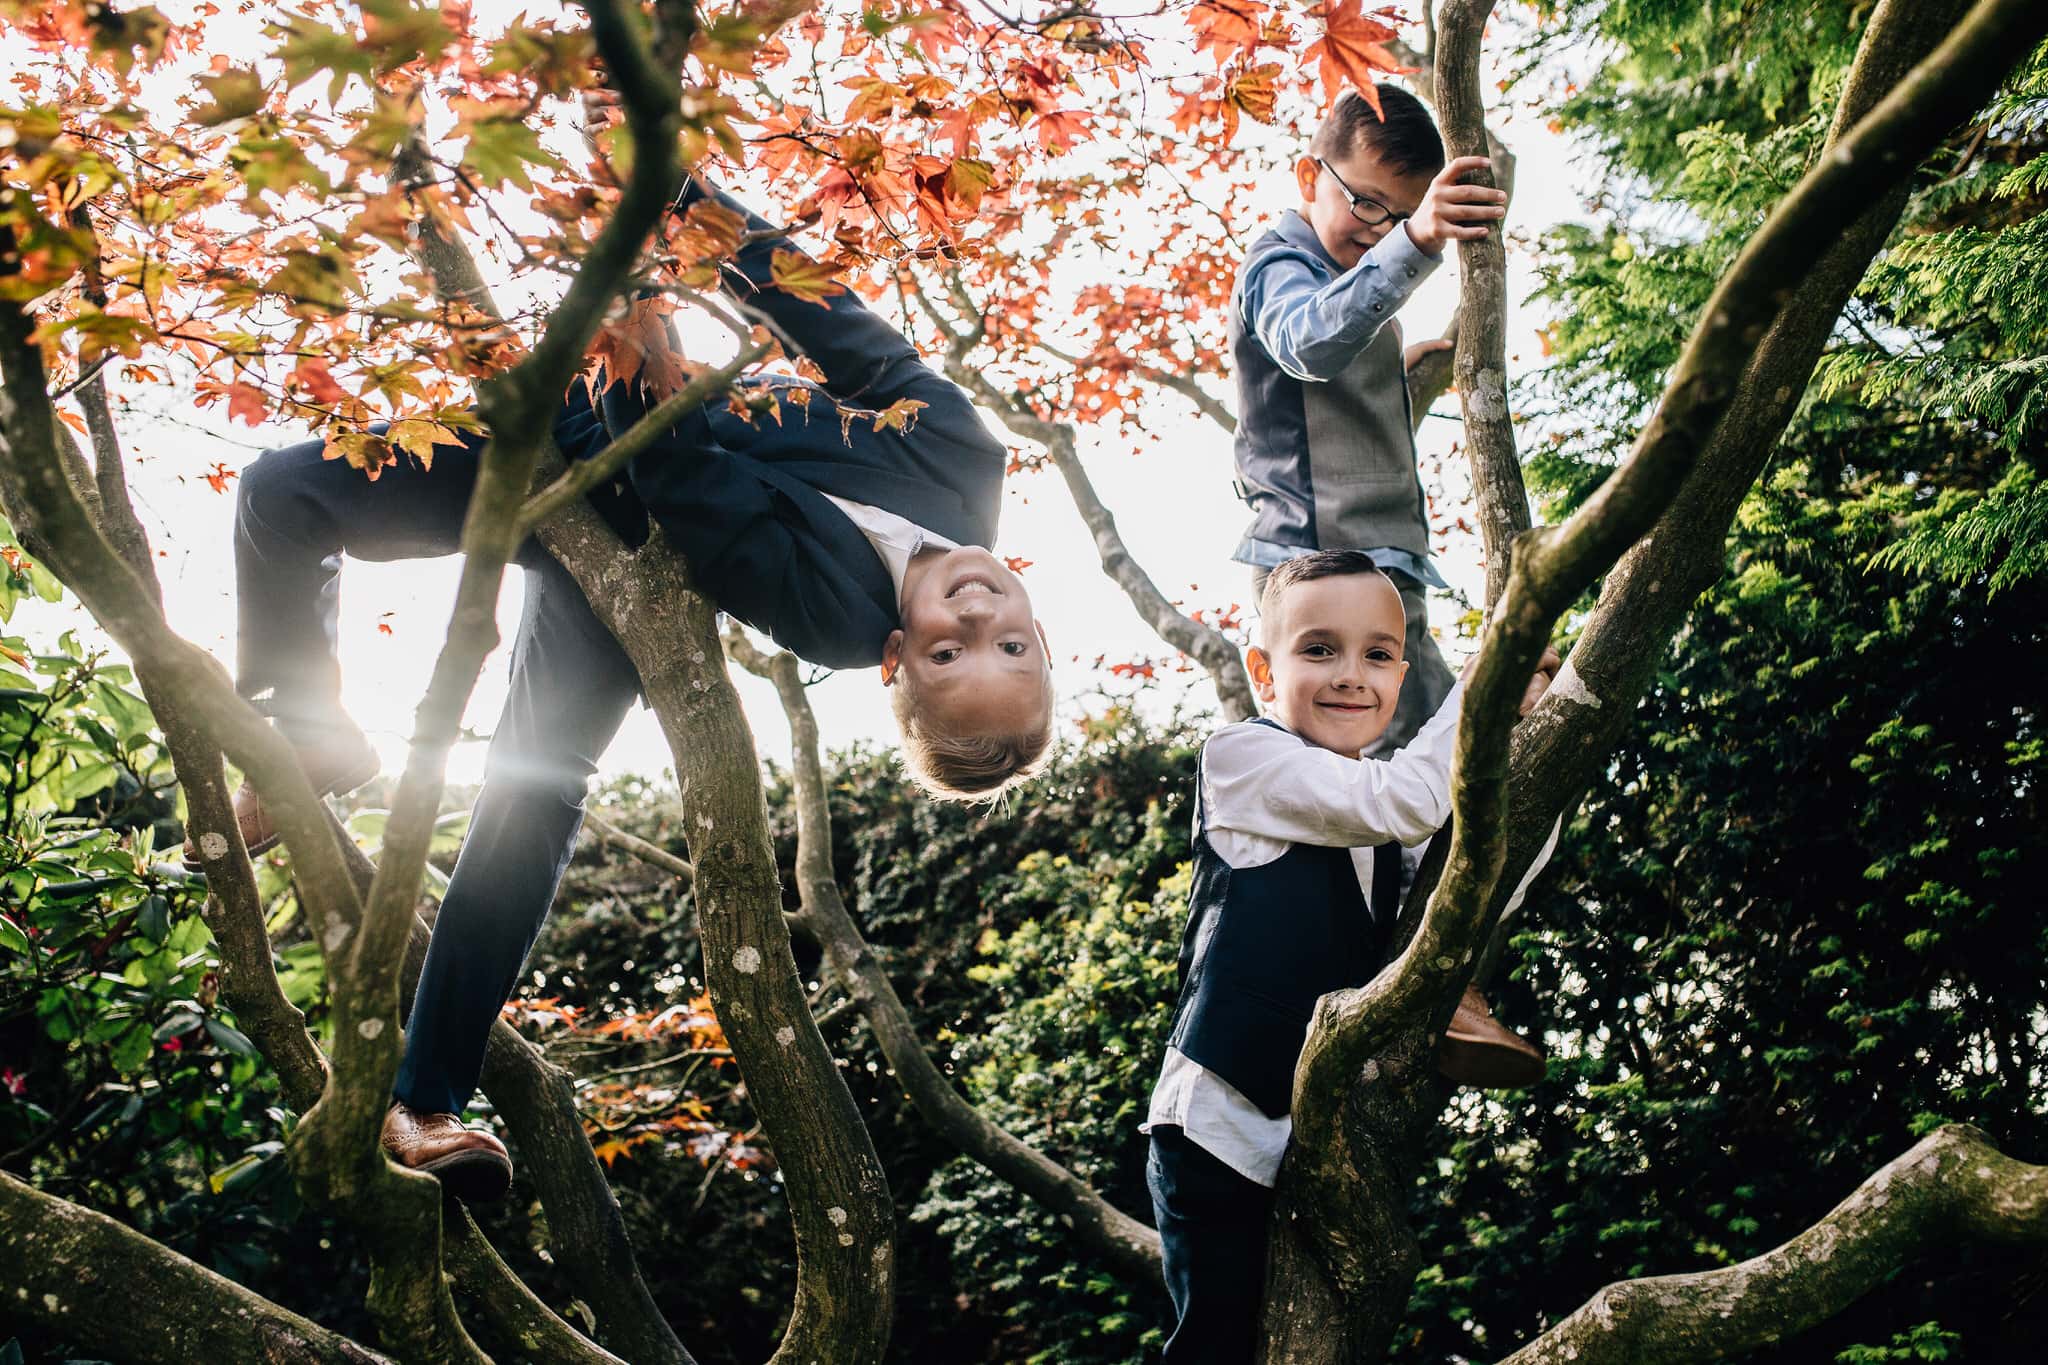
x=1262 y=945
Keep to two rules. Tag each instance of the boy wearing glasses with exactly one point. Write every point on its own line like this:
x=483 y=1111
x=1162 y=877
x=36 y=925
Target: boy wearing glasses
x=1324 y=451
x=1324 y=454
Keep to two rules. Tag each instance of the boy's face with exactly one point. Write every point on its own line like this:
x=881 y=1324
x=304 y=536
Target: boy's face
x=1330 y=668
x=1326 y=209
x=969 y=644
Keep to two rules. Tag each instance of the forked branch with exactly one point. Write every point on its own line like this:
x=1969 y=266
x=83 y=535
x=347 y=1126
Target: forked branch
x=1124 y=1241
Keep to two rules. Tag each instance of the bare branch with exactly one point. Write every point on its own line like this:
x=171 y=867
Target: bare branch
x=1124 y=1241
x=1205 y=644
x=1953 y=1187
x=1481 y=356
x=608 y=833
x=513 y=1324
x=1186 y=385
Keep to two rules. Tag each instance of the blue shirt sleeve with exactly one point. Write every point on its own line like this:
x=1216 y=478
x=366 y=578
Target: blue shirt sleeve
x=1312 y=325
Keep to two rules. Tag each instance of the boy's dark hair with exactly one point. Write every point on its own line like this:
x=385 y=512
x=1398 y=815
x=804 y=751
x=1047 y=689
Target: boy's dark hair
x=1313 y=565
x=1402 y=134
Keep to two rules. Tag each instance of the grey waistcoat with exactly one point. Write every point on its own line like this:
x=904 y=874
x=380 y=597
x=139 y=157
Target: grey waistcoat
x=1326 y=466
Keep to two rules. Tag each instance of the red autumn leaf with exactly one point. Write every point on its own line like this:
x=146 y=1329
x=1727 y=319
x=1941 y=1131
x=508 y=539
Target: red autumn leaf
x=245 y=403
x=314 y=376
x=1017 y=565
x=1351 y=48
x=383 y=628
x=217 y=478
x=797 y=274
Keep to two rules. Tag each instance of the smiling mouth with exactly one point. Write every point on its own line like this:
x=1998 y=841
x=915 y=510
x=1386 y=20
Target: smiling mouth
x=974 y=585
x=1346 y=706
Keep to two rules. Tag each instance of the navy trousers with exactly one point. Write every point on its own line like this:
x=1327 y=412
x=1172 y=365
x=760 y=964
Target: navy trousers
x=296 y=515
x=1212 y=1232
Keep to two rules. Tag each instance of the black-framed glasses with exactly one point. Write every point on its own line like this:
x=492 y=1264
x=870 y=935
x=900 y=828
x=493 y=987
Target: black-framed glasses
x=1364 y=207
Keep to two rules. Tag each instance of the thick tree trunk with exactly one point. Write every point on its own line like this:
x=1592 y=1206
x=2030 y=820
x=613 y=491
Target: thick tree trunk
x=1338 y=1178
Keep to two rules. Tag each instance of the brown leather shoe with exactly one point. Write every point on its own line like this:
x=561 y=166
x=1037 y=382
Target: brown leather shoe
x=1478 y=1050
x=338 y=764
x=470 y=1163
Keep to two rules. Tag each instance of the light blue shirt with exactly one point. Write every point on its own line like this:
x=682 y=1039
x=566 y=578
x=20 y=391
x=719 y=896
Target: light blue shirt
x=1313 y=320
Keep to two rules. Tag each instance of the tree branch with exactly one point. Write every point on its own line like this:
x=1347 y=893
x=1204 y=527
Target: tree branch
x=107 y=1288
x=607 y=833
x=1562 y=745
x=1127 y=1243
x=512 y=1322
x=1481 y=356
x=1382 y=1034
x=1952 y=1187
x=585 y=475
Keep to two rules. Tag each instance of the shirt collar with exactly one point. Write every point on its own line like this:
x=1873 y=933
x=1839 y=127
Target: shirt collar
x=1295 y=231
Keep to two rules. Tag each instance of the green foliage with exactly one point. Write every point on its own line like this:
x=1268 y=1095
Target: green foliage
x=124 y=1084
x=1086 y=1001
x=1925 y=1341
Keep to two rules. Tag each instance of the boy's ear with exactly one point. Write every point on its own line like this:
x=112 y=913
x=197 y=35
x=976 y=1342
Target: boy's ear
x=1305 y=173
x=892 y=657
x=1261 y=668
x=1043 y=643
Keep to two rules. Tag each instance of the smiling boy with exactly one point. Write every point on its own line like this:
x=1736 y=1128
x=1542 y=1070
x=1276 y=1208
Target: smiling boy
x=1299 y=868
x=852 y=545
x=1323 y=446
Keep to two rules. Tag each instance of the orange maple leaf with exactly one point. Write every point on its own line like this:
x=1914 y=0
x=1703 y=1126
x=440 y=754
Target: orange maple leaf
x=797 y=274
x=245 y=403
x=1228 y=27
x=1351 y=48
x=636 y=347
x=1061 y=129
x=217 y=478
x=1016 y=564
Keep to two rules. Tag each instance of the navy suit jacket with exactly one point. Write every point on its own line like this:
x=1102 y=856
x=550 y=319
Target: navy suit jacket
x=745 y=500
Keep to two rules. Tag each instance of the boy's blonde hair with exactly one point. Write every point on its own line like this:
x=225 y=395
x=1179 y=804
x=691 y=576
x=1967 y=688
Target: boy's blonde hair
x=969 y=767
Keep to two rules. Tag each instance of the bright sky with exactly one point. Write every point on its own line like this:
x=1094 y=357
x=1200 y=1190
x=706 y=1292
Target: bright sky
x=1172 y=500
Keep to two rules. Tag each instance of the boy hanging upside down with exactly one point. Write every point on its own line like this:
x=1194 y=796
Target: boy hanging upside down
x=851 y=547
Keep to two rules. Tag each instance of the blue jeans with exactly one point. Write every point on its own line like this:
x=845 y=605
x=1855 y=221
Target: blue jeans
x=296 y=514
x=1212 y=1230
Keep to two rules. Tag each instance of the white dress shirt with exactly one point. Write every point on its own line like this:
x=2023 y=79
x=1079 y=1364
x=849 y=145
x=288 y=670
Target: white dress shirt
x=1264 y=790
x=896 y=539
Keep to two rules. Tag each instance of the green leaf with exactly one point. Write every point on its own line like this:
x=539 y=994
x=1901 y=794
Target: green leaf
x=132 y=1052
x=153 y=918
x=72 y=787
x=11 y=937
x=230 y=1039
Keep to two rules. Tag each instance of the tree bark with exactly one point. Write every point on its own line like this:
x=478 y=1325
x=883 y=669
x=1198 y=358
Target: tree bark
x=1952 y=1187
x=1481 y=356
x=83 y=1277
